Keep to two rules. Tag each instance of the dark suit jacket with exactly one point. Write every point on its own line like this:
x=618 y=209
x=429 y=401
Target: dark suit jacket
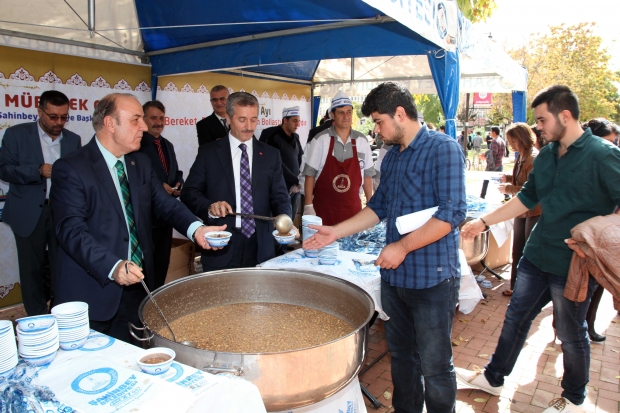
x=92 y=230
x=20 y=159
x=211 y=179
x=209 y=129
x=147 y=147
x=315 y=131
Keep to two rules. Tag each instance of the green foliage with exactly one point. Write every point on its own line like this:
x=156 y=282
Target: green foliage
x=571 y=56
x=430 y=107
x=366 y=126
x=477 y=10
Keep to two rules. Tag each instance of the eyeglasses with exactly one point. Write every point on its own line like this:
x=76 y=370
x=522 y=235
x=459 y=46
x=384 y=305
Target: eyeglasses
x=54 y=118
x=218 y=99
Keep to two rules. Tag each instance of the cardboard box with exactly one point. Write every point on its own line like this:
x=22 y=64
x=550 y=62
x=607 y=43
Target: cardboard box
x=497 y=256
x=181 y=259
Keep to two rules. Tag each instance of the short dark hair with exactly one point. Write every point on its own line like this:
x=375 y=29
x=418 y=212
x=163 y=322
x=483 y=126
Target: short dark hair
x=539 y=138
x=53 y=97
x=217 y=88
x=107 y=107
x=153 y=104
x=239 y=99
x=478 y=133
x=442 y=128
x=599 y=127
x=495 y=129
x=386 y=97
x=558 y=98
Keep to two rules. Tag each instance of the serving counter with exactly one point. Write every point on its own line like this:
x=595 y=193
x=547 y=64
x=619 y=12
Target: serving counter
x=103 y=376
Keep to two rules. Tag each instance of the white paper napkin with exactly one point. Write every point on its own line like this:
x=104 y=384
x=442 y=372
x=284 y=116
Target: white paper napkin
x=411 y=222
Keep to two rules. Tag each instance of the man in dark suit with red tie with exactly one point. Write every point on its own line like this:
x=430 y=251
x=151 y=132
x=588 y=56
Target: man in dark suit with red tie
x=214 y=126
x=103 y=197
x=238 y=174
x=164 y=161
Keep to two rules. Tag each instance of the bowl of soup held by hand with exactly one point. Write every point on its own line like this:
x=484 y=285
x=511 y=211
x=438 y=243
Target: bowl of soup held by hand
x=218 y=239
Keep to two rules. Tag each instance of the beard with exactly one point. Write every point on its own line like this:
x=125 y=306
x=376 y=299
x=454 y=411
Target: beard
x=557 y=133
x=397 y=137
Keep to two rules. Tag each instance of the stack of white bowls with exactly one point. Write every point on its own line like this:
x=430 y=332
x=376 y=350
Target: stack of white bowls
x=328 y=255
x=38 y=339
x=73 y=325
x=308 y=232
x=8 y=349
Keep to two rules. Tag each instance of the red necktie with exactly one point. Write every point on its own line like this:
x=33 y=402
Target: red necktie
x=162 y=158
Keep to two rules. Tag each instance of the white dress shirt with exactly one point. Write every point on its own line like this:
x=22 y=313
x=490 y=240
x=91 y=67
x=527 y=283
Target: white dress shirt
x=110 y=161
x=51 y=152
x=235 y=152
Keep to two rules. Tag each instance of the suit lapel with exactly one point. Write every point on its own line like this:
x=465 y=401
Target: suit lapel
x=35 y=143
x=133 y=177
x=225 y=157
x=257 y=159
x=171 y=170
x=103 y=174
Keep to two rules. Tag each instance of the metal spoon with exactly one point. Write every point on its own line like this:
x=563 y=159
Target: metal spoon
x=174 y=337
x=283 y=222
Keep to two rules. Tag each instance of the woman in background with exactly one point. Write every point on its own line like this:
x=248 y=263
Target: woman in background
x=522 y=139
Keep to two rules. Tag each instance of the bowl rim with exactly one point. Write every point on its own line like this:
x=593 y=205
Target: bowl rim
x=155 y=350
x=228 y=234
x=291 y=233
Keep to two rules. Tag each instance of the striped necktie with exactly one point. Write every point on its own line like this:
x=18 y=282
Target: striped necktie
x=136 y=250
x=248 y=226
x=160 y=151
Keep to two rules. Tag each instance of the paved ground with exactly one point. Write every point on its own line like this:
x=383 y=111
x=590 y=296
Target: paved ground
x=535 y=380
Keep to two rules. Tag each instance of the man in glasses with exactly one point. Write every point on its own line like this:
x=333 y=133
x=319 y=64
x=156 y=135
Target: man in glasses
x=214 y=126
x=28 y=152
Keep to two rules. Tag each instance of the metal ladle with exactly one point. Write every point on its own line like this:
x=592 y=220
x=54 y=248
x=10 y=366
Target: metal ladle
x=174 y=337
x=283 y=222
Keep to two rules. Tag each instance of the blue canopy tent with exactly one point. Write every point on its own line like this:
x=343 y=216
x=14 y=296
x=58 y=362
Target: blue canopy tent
x=272 y=38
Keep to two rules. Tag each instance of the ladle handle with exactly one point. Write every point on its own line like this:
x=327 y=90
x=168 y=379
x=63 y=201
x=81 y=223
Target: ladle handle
x=158 y=309
x=253 y=216
x=132 y=327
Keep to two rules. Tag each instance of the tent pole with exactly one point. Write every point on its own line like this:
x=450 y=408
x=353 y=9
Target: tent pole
x=91 y=17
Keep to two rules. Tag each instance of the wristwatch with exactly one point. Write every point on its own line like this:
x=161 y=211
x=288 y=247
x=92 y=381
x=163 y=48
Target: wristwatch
x=485 y=224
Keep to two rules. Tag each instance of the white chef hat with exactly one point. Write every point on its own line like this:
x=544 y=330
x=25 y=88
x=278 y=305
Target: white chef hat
x=293 y=111
x=341 y=99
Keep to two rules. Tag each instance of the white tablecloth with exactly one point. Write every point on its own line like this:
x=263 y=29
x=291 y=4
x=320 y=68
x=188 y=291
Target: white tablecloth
x=208 y=392
x=368 y=277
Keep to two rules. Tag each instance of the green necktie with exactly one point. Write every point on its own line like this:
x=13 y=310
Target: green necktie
x=136 y=251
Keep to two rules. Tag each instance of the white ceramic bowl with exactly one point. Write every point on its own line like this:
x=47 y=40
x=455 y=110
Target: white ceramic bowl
x=36 y=323
x=218 y=241
x=284 y=239
x=158 y=368
x=70 y=308
x=73 y=345
x=41 y=360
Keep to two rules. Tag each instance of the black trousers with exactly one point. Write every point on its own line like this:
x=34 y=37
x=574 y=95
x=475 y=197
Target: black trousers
x=593 y=308
x=522 y=229
x=245 y=252
x=162 y=238
x=31 y=261
x=117 y=326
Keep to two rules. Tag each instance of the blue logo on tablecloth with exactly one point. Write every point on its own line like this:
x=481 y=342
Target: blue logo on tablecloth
x=95 y=381
x=178 y=372
x=97 y=341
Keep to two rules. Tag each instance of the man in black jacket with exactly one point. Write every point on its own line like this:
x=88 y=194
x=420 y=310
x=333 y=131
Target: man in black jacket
x=214 y=126
x=164 y=162
x=284 y=139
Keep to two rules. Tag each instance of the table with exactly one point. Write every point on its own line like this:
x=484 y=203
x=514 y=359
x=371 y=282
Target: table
x=356 y=268
x=103 y=376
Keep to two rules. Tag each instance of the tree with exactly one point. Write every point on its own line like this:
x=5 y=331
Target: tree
x=430 y=107
x=477 y=10
x=571 y=56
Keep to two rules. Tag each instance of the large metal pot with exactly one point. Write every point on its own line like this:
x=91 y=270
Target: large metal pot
x=286 y=380
x=476 y=249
